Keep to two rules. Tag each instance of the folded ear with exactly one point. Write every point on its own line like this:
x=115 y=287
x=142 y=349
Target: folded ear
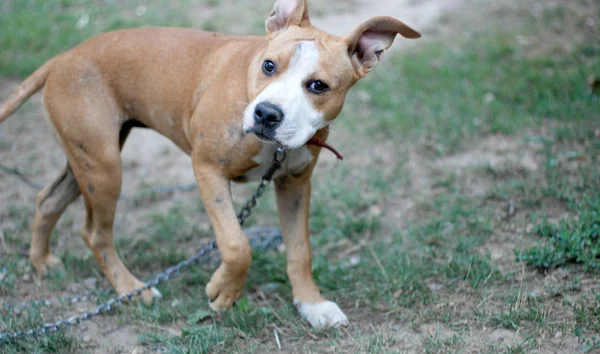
x=287 y=13
x=368 y=41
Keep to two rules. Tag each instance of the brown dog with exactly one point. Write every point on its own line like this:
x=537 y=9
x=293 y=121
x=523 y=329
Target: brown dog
x=206 y=92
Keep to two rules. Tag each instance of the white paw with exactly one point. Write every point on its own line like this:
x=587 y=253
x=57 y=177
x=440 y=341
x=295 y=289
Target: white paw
x=324 y=314
x=155 y=293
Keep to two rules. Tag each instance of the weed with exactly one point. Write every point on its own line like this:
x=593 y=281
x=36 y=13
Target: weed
x=572 y=240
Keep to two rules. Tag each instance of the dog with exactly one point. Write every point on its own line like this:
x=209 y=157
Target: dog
x=228 y=101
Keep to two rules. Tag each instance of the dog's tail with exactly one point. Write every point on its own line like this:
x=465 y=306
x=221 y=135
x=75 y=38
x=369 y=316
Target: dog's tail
x=27 y=88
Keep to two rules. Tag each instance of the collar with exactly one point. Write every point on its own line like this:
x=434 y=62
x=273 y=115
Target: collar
x=317 y=142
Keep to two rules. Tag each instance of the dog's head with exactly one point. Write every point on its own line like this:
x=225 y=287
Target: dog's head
x=299 y=82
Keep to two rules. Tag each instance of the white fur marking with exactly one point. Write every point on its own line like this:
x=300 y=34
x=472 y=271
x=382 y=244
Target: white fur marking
x=295 y=162
x=325 y=314
x=301 y=120
x=155 y=293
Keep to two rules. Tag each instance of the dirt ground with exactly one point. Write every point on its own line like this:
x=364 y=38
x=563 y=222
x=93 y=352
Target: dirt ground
x=151 y=160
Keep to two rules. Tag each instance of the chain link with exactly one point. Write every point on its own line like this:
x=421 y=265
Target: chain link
x=168 y=274
x=278 y=158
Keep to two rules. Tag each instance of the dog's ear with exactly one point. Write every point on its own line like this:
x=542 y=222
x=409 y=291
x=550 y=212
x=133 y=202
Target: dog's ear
x=287 y=13
x=368 y=41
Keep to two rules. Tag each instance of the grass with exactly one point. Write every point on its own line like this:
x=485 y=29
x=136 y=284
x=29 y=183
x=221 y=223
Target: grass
x=457 y=269
x=572 y=240
x=27 y=42
x=445 y=103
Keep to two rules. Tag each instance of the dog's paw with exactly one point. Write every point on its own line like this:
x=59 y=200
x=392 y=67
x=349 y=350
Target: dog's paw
x=224 y=289
x=147 y=296
x=155 y=294
x=150 y=295
x=42 y=265
x=223 y=302
x=324 y=314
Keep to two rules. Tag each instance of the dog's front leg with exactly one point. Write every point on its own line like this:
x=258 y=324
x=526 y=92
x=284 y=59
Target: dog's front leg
x=293 y=200
x=227 y=283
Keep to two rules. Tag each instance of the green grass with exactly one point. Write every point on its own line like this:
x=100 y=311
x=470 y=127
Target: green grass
x=459 y=262
x=33 y=31
x=32 y=318
x=27 y=41
x=573 y=240
x=447 y=97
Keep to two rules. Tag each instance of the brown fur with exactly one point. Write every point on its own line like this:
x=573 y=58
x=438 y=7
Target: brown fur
x=192 y=87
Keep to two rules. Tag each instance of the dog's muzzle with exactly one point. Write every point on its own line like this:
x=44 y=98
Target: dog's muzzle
x=267 y=117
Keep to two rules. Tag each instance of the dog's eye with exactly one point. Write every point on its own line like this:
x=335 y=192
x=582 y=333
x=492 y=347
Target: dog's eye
x=317 y=86
x=268 y=67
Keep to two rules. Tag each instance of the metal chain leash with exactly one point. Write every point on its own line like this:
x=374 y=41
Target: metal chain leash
x=18 y=306
x=168 y=274
x=278 y=158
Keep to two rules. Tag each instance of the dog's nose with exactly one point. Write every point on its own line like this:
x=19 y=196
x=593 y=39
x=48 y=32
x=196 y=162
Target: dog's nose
x=268 y=114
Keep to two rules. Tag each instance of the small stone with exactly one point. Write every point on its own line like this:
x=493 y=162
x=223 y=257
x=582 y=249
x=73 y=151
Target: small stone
x=529 y=229
x=522 y=40
x=138 y=350
x=354 y=260
x=140 y=11
x=176 y=332
x=83 y=21
x=434 y=286
x=87 y=338
x=375 y=210
x=90 y=283
x=496 y=254
x=364 y=96
x=27 y=278
x=590 y=21
x=489 y=97
x=176 y=303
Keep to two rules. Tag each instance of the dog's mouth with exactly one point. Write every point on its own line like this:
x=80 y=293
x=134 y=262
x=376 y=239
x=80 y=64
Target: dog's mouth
x=261 y=134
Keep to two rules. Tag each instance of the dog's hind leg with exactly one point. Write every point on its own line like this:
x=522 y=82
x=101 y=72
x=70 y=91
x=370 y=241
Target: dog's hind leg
x=51 y=202
x=92 y=128
x=99 y=173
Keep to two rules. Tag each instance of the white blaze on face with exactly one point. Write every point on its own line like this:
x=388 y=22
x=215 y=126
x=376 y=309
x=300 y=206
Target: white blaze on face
x=301 y=120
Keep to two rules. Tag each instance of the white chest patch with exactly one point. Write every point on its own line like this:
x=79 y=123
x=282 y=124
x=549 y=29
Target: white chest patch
x=295 y=162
